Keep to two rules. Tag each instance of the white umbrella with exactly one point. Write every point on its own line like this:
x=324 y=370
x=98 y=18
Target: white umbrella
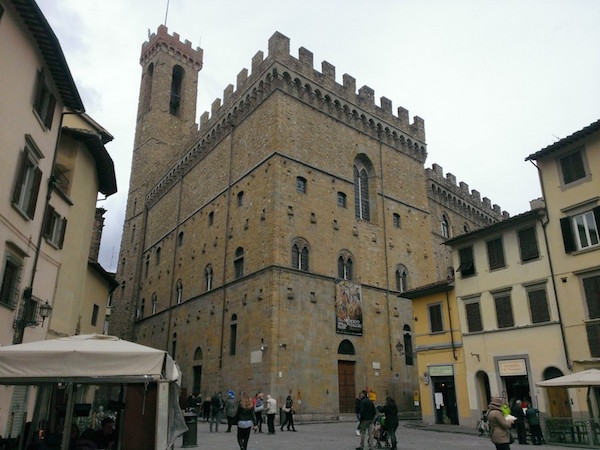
x=590 y=377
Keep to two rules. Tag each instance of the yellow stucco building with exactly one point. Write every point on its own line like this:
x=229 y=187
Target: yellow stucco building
x=443 y=394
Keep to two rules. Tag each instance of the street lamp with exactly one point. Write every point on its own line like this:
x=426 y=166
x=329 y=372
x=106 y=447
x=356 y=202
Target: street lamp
x=45 y=310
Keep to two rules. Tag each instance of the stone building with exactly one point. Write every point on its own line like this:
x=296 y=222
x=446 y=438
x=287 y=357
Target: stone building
x=266 y=247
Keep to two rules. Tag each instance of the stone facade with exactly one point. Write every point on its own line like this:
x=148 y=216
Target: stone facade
x=234 y=245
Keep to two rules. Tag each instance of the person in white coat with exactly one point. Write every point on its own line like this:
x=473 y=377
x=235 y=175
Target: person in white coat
x=271 y=410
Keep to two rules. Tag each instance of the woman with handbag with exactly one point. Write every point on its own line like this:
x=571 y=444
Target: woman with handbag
x=499 y=425
x=289 y=414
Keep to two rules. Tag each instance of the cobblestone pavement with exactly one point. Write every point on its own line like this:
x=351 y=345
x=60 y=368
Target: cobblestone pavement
x=341 y=435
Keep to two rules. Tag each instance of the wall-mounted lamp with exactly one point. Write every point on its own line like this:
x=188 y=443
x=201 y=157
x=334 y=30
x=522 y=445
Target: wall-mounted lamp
x=263 y=347
x=283 y=346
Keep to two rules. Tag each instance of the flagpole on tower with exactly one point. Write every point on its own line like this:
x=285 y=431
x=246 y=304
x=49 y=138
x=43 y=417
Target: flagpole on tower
x=166 y=13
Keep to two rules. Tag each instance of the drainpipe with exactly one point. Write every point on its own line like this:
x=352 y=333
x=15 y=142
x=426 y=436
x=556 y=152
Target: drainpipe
x=552 y=275
x=450 y=323
x=386 y=256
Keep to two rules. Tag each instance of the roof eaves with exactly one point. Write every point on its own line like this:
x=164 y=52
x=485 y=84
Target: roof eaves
x=567 y=141
x=51 y=52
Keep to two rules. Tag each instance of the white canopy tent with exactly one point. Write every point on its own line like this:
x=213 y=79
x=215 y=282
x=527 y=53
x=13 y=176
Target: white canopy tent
x=98 y=359
x=586 y=378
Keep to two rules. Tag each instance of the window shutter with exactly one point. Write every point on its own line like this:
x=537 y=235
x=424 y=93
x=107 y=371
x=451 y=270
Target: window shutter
x=596 y=212
x=48 y=219
x=50 y=111
x=20 y=177
x=567 y=233
x=35 y=188
x=39 y=89
x=63 y=228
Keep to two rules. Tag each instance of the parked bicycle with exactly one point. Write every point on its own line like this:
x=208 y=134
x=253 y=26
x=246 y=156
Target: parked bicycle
x=483 y=427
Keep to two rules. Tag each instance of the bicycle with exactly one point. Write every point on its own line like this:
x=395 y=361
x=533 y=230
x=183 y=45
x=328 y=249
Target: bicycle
x=483 y=427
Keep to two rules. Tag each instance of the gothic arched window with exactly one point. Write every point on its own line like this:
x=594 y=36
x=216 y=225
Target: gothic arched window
x=300 y=254
x=401 y=278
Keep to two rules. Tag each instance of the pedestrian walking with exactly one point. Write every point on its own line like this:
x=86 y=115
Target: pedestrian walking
x=231 y=407
x=357 y=410
x=499 y=425
x=271 y=410
x=216 y=410
x=246 y=420
x=259 y=406
x=390 y=410
x=367 y=414
x=288 y=409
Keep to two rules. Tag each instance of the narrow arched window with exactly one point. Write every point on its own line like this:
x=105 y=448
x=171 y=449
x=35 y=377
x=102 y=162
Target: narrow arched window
x=445 y=227
x=362 y=208
x=141 y=310
x=147 y=266
x=345 y=267
x=408 y=348
x=180 y=239
x=179 y=292
x=174 y=346
x=238 y=263
x=233 y=335
x=147 y=92
x=208 y=274
x=300 y=255
x=401 y=279
x=158 y=251
x=176 y=83
x=396 y=220
x=240 y=198
x=154 y=303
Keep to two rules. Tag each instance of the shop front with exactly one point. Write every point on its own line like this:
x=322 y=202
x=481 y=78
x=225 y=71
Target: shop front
x=444 y=394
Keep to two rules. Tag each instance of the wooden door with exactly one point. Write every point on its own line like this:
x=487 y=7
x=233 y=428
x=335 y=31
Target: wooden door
x=559 y=402
x=347 y=387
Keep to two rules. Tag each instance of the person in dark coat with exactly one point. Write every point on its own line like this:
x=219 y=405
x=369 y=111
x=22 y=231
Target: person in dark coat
x=367 y=414
x=391 y=419
x=517 y=411
x=535 y=429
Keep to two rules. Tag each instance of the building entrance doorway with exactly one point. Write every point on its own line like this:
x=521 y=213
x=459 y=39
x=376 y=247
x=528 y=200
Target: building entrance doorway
x=197 y=387
x=444 y=393
x=517 y=387
x=346 y=386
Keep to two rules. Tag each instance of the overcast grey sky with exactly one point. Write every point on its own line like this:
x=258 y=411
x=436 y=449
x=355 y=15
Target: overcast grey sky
x=494 y=80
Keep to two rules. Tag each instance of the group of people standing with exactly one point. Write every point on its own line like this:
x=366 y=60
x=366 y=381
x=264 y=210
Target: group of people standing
x=366 y=413
x=247 y=414
x=502 y=418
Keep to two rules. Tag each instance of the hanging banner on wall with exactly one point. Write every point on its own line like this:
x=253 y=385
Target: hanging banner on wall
x=348 y=308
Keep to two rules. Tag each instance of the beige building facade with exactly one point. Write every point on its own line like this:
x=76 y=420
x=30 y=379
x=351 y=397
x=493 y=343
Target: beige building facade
x=569 y=173
x=508 y=312
x=50 y=180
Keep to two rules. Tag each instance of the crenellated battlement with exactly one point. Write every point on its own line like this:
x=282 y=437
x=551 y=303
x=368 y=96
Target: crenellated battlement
x=316 y=84
x=297 y=77
x=448 y=192
x=173 y=44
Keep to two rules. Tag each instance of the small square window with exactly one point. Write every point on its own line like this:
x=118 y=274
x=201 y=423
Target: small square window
x=54 y=227
x=436 y=323
x=538 y=305
x=467 y=263
x=528 y=244
x=504 y=312
x=473 y=311
x=495 y=253
x=572 y=167
x=45 y=101
x=301 y=185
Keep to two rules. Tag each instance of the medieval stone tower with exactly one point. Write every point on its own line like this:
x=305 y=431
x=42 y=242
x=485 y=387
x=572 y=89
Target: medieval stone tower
x=266 y=247
x=166 y=113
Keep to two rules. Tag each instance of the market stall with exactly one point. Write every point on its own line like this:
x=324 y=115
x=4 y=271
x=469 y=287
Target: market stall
x=147 y=376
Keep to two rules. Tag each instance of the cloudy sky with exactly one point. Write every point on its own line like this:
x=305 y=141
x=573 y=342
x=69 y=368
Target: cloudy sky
x=494 y=80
